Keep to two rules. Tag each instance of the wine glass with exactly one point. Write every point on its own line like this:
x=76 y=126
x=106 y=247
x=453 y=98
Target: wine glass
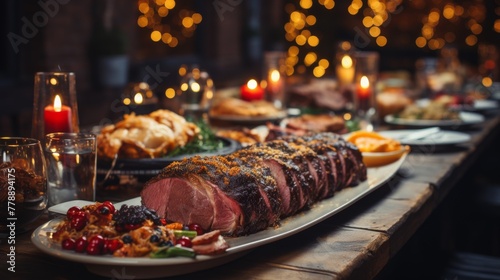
x=23 y=183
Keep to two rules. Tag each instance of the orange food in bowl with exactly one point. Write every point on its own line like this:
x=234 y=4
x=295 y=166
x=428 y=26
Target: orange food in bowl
x=372 y=142
x=376 y=149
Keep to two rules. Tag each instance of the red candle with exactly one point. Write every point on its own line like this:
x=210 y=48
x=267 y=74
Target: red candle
x=251 y=91
x=363 y=94
x=364 y=90
x=57 y=117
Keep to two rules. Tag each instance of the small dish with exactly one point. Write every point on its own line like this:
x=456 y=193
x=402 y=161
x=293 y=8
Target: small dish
x=383 y=158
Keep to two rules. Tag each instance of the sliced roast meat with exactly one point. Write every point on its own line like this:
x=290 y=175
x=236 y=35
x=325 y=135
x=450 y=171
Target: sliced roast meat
x=253 y=188
x=288 y=169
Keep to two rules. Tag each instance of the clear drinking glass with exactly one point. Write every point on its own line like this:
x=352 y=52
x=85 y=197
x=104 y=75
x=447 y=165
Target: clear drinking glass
x=71 y=166
x=23 y=183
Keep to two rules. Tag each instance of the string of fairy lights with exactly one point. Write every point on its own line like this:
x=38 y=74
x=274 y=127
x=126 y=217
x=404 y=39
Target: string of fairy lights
x=300 y=32
x=472 y=14
x=438 y=26
x=168 y=23
x=172 y=24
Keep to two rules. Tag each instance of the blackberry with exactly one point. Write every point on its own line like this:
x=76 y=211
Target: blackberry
x=154 y=238
x=135 y=214
x=127 y=239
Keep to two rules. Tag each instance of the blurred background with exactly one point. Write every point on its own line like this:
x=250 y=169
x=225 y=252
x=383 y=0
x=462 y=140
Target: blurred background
x=110 y=44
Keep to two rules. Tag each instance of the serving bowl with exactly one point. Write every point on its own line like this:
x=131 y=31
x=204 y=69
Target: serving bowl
x=374 y=159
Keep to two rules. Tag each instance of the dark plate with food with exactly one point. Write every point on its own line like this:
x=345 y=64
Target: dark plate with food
x=237 y=111
x=142 y=145
x=151 y=166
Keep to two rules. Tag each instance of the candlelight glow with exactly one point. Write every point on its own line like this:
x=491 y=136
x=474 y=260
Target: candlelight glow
x=364 y=82
x=195 y=87
x=138 y=98
x=346 y=61
x=184 y=87
x=487 y=82
x=275 y=75
x=252 y=84
x=170 y=93
x=57 y=103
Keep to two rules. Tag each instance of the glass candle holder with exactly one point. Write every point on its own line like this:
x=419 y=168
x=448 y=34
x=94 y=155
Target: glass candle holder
x=274 y=78
x=345 y=64
x=197 y=93
x=55 y=106
x=364 y=94
x=140 y=98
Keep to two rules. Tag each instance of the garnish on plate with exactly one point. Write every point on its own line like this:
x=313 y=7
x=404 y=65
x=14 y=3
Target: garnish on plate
x=132 y=231
x=206 y=141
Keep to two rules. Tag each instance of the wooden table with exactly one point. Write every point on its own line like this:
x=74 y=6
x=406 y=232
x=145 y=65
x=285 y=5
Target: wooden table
x=361 y=242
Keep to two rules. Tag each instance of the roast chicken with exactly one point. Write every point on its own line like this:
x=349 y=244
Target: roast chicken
x=145 y=136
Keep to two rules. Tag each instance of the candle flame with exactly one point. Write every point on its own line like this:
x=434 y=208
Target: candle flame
x=346 y=61
x=364 y=83
x=195 y=87
x=252 y=84
x=138 y=98
x=275 y=75
x=57 y=103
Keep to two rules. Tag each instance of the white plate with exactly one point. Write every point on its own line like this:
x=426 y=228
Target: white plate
x=479 y=105
x=466 y=118
x=149 y=268
x=443 y=137
x=484 y=105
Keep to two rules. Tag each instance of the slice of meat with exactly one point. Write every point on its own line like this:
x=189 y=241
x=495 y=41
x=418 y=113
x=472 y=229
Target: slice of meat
x=193 y=200
x=279 y=160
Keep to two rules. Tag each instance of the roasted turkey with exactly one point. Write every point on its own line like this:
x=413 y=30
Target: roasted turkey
x=145 y=136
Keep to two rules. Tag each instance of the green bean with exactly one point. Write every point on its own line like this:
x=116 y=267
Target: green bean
x=187 y=233
x=173 y=251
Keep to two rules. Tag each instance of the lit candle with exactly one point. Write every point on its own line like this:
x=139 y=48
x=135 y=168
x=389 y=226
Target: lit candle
x=364 y=90
x=252 y=91
x=57 y=117
x=274 y=81
x=345 y=71
x=363 y=94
